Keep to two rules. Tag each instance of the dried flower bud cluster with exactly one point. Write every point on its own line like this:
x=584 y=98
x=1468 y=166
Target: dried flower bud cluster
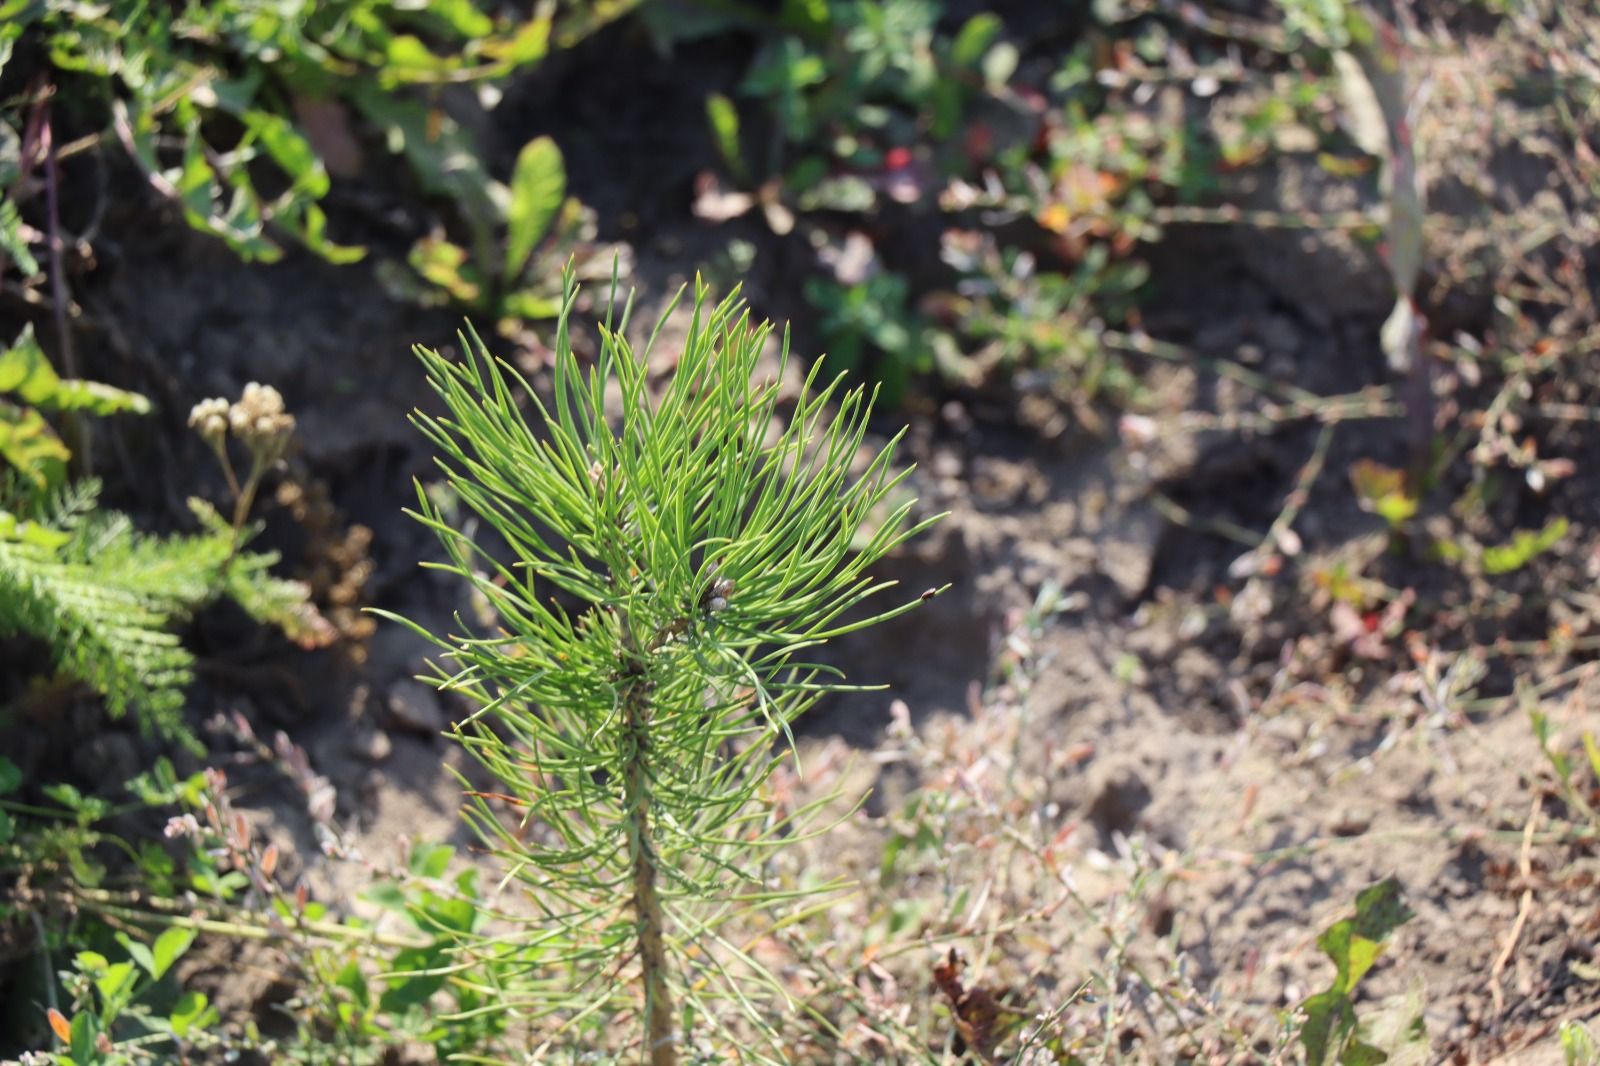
x=209 y=418
x=258 y=419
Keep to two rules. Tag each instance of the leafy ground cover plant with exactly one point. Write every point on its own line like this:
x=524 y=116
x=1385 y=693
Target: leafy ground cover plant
x=673 y=559
x=201 y=95
x=513 y=269
x=243 y=117
x=1039 y=181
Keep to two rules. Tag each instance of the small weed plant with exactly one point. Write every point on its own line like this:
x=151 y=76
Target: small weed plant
x=674 y=561
x=102 y=598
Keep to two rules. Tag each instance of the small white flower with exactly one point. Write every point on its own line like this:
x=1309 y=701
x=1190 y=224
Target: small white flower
x=182 y=825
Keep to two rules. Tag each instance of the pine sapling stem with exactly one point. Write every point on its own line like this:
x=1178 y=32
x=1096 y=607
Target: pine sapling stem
x=661 y=1048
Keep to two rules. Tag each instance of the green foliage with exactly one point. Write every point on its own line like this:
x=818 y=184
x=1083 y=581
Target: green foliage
x=25 y=372
x=1383 y=490
x=1329 y=24
x=13 y=241
x=1330 y=1033
x=538 y=188
x=859 y=77
x=872 y=316
x=671 y=563
x=121 y=1003
x=541 y=229
x=1524 y=546
x=234 y=109
x=110 y=1005
x=1013 y=317
x=1579 y=1046
x=29 y=386
x=103 y=599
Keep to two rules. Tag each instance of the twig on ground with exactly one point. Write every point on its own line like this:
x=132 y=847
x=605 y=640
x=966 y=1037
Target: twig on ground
x=1525 y=868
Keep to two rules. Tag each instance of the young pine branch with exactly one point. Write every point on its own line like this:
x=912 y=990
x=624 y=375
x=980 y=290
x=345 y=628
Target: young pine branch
x=671 y=560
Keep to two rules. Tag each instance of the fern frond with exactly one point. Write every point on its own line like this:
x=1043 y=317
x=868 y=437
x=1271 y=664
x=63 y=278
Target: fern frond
x=104 y=599
x=99 y=630
x=105 y=604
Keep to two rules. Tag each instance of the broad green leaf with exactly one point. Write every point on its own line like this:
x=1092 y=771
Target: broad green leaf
x=291 y=151
x=191 y=1010
x=974 y=39
x=529 y=43
x=1353 y=944
x=312 y=231
x=1000 y=64
x=527 y=304
x=26 y=372
x=389 y=896
x=724 y=119
x=1382 y=490
x=538 y=188
x=139 y=953
x=96 y=399
x=431 y=860
x=168 y=949
x=1579 y=1047
x=10 y=776
x=115 y=985
x=91 y=962
x=1381 y=909
x=13 y=245
x=462 y=16
x=354 y=981
x=405 y=992
x=7 y=830
x=409 y=60
x=10 y=149
x=85 y=1034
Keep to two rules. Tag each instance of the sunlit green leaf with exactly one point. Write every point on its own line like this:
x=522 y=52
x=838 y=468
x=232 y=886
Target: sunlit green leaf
x=1524 y=546
x=168 y=949
x=445 y=265
x=190 y=1011
x=290 y=150
x=724 y=119
x=538 y=188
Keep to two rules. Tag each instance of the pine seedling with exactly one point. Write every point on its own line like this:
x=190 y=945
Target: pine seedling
x=674 y=557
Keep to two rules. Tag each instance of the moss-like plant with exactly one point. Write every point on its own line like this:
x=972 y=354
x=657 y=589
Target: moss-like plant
x=674 y=555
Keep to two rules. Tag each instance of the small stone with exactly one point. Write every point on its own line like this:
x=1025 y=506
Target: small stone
x=373 y=745
x=415 y=707
x=1349 y=823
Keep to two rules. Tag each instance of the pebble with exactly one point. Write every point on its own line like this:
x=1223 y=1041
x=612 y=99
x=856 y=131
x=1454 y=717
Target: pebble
x=415 y=707
x=374 y=745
